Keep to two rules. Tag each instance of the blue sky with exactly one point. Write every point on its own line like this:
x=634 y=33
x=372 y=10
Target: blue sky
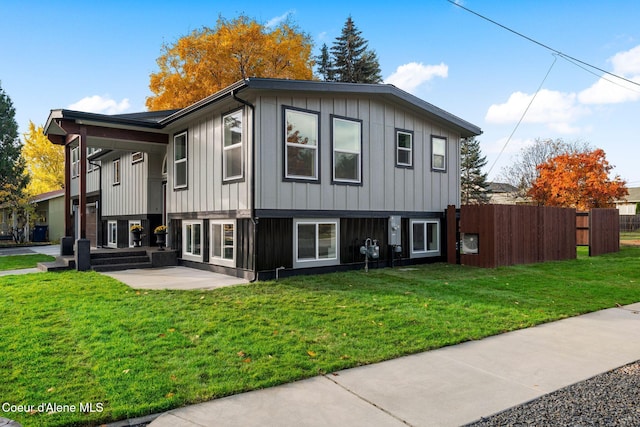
x=97 y=56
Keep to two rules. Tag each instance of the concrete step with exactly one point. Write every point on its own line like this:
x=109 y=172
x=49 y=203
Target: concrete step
x=120 y=260
x=118 y=267
x=60 y=264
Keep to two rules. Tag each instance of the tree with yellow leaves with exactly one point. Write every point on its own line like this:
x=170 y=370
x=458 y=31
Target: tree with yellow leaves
x=207 y=60
x=44 y=162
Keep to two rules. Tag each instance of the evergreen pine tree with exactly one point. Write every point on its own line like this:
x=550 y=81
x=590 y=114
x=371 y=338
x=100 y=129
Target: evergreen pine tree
x=325 y=64
x=13 y=178
x=353 y=61
x=473 y=181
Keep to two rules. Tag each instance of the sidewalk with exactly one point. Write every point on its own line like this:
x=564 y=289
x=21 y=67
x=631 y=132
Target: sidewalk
x=451 y=386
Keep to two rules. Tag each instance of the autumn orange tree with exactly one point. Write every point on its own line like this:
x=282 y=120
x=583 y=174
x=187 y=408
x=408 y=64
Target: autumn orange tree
x=207 y=60
x=577 y=180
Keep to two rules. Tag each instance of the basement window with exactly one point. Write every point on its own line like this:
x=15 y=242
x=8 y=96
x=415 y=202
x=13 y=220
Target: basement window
x=425 y=238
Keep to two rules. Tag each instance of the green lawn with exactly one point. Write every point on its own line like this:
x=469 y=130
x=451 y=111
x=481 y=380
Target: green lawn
x=14 y=262
x=74 y=338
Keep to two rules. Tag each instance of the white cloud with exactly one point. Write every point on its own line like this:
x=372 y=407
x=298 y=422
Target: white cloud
x=409 y=76
x=613 y=90
x=274 y=22
x=555 y=109
x=627 y=63
x=100 y=104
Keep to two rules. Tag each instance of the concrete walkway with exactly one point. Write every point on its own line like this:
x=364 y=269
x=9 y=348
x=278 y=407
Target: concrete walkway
x=178 y=278
x=447 y=387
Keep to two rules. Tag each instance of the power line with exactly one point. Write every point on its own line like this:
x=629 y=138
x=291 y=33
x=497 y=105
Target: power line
x=557 y=52
x=555 y=58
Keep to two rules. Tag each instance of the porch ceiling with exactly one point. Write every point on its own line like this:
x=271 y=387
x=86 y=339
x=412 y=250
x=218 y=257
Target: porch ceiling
x=64 y=127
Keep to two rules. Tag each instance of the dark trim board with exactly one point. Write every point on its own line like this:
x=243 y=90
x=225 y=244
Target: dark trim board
x=276 y=213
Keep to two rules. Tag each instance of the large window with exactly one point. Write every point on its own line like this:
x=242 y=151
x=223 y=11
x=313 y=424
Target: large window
x=425 y=238
x=404 y=149
x=75 y=162
x=192 y=240
x=223 y=238
x=116 y=171
x=316 y=242
x=232 y=168
x=347 y=150
x=301 y=144
x=438 y=153
x=180 y=160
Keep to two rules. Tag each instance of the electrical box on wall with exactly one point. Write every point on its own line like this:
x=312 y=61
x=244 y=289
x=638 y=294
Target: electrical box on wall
x=395 y=231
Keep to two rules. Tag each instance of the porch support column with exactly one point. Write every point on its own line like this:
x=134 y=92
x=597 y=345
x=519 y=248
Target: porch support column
x=68 y=224
x=82 y=190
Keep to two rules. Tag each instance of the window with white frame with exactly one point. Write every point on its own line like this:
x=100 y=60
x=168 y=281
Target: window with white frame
x=180 y=160
x=192 y=240
x=137 y=157
x=223 y=239
x=438 y=153
x=112 y=234
x=75 y=162
x=404 y=149
x=347 y=150
x=301 y=144
x=116 y=171
x=232 y=167
x=316 y=242
x=425 y=237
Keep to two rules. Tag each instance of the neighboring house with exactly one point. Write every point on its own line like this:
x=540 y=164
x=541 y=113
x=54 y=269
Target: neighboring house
x=273 y=173
x=48 y=216
x=629 y=205
x=504 y=194
x=46 y=222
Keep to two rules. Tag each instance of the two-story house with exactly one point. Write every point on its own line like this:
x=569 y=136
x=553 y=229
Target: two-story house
x=274 y=173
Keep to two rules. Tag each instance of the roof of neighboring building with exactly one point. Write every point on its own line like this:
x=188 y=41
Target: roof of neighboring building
x=501 y=187
x=633 y=197
x=47 y=196
x=157 y=120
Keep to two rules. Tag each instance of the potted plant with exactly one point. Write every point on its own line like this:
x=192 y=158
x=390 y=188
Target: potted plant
x=136 y=230
x=161 y=236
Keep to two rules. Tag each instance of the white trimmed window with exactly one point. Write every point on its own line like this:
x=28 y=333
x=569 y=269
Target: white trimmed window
x=137 y=157
x=75 y=162
x=116 y=171
x=404 y=149
x=425 y=237
x=180 y=160
x=347 y=150
x=112 y=234
x=316 y=242
x=438 y=153
x=301 y=144
x=223 y=240
x=232 y=164
x=192 y=240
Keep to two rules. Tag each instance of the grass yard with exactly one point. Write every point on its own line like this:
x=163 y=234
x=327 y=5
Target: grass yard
x=14 y=262
x=73 y=338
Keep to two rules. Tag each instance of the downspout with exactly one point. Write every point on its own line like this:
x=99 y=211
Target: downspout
x=99 y=236
x=252 y=181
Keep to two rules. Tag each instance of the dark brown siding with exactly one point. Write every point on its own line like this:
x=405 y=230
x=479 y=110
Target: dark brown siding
x=354 y=232
x=244 y=247
x=275 y=243
x=511 y=234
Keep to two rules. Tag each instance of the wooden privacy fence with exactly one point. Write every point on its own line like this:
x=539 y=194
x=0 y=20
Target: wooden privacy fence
x=604 y=231
x=499 y=235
